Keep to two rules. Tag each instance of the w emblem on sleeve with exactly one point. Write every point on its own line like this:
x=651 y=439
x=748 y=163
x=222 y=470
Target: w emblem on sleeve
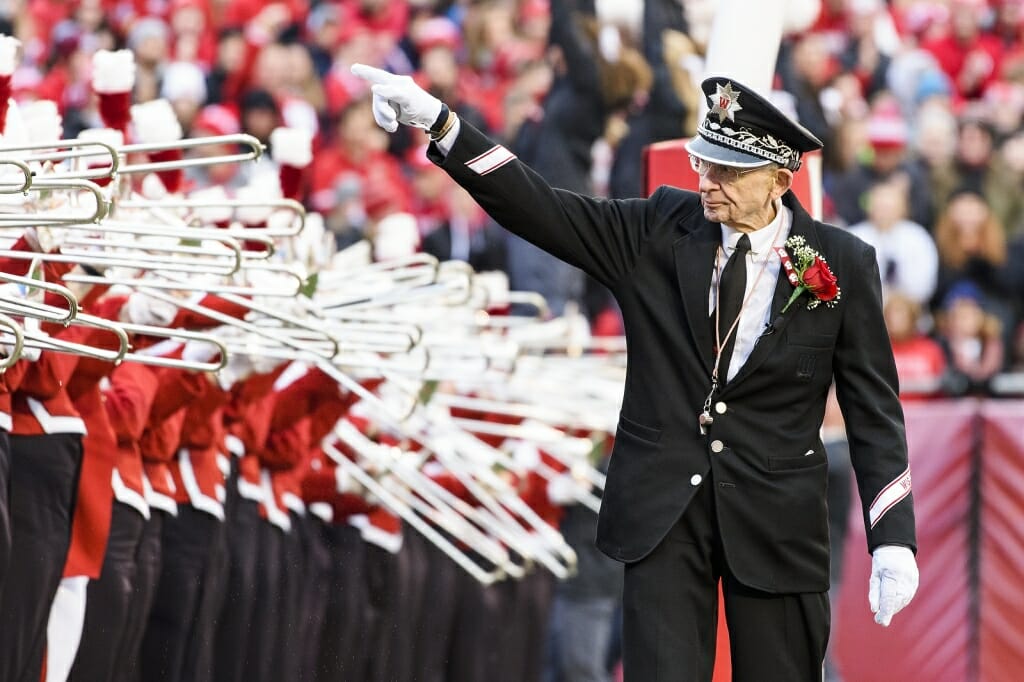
x=889 y=497
x=491 y=160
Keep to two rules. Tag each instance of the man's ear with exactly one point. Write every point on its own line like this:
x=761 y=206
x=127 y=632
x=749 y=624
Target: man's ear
x=783 y=182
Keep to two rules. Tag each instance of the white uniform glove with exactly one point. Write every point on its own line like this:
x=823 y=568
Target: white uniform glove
x=141 y=309
x=199 y=351
x=893 y=581
x=397 y=99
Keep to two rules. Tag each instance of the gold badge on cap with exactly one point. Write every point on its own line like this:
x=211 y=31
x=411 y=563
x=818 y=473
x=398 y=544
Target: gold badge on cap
x=725 y=102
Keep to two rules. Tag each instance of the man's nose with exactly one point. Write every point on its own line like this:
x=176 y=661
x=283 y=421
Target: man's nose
x=706 y=184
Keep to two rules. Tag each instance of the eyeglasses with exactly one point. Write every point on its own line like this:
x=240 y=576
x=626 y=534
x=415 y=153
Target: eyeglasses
x=717 y=172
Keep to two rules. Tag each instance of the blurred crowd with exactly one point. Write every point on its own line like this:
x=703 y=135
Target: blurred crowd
x=920 y=105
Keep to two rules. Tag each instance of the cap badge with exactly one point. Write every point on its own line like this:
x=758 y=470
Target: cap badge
x=725 y=102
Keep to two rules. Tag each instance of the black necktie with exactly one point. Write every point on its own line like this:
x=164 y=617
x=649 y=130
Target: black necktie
x=731 y=288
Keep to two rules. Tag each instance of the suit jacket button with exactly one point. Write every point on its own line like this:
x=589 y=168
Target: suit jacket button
x=720 y=407
x=696 y=479
x=717 y=446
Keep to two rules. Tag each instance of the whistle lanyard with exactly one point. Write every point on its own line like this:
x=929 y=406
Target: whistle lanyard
x=705 y=418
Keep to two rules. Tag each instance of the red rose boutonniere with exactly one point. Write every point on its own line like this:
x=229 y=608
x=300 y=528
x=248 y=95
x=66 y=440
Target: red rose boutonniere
x=808 y=271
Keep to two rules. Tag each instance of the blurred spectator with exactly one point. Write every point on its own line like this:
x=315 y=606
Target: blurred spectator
x=867 y=51
x=346 y=218
x=596 y=74
x=935 y=147
x=920 y=360
x=968 y=55
x=149 y=39
x=430 y=186
x=215 y=120
x=907 y=258
x=225 y=80
x=323 y=29
x=972 y=248
x=806 y=68
x=184 y=86
x=259 y=114
x=468 y=235
x=972 y=337
x=359 y=147
x=888 y=161
x=437 y=41
x=672 y=109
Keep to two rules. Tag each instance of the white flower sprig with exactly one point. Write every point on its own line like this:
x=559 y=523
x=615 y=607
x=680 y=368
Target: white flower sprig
x=809 y=271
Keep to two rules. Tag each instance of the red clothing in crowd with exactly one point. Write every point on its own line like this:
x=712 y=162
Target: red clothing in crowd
x=918 y=360
x=953 y=56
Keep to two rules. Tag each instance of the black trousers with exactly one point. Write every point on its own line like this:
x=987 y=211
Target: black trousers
x=290 y=594
x=341 y=655
x=477 y=631
x=670 y=608
x=435 y=636
x=233 y=625
x=199 y=653
x=109 y=600
x=44 y=486
x=266 y=615
x=148 y=560
x=314 y=596
x=534 y=597
x=5 y=506
x=186 y=540
x=387 y=635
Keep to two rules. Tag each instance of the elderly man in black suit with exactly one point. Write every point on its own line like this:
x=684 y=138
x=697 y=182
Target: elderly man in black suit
x=740 y=312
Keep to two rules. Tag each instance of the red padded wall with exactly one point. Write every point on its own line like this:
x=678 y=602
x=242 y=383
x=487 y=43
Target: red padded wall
x=929 y=640
x=1001 y=641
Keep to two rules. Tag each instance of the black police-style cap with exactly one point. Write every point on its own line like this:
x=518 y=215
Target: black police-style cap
x=744 y=129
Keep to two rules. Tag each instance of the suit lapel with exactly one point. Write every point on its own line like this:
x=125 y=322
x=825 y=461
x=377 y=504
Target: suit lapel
x=695 y=261
x=802 y=226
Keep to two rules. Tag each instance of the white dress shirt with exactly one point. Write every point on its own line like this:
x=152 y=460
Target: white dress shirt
x=756 y=312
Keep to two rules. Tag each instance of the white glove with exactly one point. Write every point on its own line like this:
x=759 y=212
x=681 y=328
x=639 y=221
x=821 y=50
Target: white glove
x=141 y=309
x=397 y=99
x=199 y=351
x=562 y=490
x=893 y=581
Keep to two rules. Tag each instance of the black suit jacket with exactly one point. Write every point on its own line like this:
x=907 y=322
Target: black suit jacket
x=656 y=256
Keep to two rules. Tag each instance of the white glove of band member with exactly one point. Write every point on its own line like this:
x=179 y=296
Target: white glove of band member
x=141 y=309
x=397 y=99
x=199 y=351
x=893 y=581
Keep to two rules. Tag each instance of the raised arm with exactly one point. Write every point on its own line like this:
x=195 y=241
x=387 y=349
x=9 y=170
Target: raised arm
x=601 y=237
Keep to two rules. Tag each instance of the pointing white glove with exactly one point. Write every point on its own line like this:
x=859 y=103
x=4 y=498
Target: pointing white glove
x=893 y=581
x=397 y=99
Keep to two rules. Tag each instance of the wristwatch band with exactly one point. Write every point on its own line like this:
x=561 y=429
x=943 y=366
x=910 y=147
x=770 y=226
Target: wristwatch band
x=442 y=119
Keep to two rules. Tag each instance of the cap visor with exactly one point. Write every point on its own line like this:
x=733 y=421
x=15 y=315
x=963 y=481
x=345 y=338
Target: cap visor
x=725 y=156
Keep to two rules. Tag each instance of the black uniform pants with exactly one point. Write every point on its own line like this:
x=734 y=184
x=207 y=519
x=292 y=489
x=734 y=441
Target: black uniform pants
x=186 y=543
x=315 y=594
x=148 y=560
x=233 y=626
x=434 y=638
x=44 y=486
x=266 y=615
x=387 y=635
x=670 y=608
x=109 y=599
x=341 y=655
x=199 y=653
x=5 y=508
x=293 y=580
x=478 y=630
